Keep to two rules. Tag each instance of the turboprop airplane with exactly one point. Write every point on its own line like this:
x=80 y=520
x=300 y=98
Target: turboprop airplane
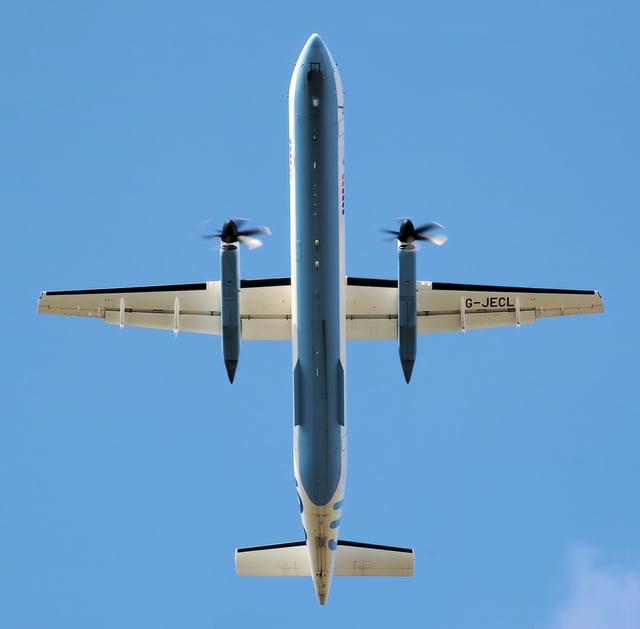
x=318 y=308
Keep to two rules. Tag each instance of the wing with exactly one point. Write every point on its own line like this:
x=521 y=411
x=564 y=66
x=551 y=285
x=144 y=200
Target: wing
x=372 y=306
x=265 y=306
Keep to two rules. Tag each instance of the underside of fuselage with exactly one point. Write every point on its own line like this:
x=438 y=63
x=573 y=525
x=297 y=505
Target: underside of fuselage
x=318 y=322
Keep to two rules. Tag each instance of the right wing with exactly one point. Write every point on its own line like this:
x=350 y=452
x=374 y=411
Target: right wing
x=265 y=306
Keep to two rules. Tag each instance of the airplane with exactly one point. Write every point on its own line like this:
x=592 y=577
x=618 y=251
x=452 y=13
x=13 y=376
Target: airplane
x=318 y=308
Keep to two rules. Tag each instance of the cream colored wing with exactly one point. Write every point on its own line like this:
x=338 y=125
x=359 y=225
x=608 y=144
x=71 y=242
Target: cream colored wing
x=265 y=306
x=372 y=306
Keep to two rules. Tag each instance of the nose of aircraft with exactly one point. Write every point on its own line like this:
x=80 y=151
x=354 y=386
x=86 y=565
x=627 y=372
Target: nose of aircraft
x=315 y=41
x=315 y=50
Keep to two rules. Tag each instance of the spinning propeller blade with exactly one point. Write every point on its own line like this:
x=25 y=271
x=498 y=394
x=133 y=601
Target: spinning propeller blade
x=231 y=233
x=408 y=234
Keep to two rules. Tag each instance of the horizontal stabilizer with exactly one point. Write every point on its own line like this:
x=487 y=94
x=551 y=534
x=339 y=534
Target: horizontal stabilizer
x=276 y=560
x=352 y=559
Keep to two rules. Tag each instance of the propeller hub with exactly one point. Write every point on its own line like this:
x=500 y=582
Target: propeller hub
x=407 y=232
x=229 y=233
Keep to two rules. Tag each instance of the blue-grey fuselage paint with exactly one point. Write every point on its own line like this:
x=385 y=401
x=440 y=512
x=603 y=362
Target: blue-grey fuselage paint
x=317 y=284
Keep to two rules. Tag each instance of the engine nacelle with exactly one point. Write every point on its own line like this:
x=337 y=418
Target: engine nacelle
x=230 y=306
x=407 y=308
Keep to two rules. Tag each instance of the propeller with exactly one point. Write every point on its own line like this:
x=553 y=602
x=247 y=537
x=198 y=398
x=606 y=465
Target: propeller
x=408 y=234
x=231 y=233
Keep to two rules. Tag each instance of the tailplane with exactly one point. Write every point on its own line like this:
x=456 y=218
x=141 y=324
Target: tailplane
x=353 y=559
x=277 y=560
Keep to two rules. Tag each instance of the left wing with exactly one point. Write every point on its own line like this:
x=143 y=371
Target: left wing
x=265 y=306
x=372 y=306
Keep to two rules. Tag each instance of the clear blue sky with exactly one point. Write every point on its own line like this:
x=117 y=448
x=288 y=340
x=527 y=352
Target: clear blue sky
x=130 y=468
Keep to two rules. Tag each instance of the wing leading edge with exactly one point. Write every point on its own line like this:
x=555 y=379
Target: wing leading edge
x=371 y=306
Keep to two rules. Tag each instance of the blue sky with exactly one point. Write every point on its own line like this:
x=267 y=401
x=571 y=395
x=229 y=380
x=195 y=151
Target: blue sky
x=130 y=469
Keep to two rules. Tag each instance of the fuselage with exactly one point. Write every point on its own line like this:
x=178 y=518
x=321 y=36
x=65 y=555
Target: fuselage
x=316 y=167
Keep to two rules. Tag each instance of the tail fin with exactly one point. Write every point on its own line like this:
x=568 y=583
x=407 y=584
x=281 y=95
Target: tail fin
x=352 y=559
